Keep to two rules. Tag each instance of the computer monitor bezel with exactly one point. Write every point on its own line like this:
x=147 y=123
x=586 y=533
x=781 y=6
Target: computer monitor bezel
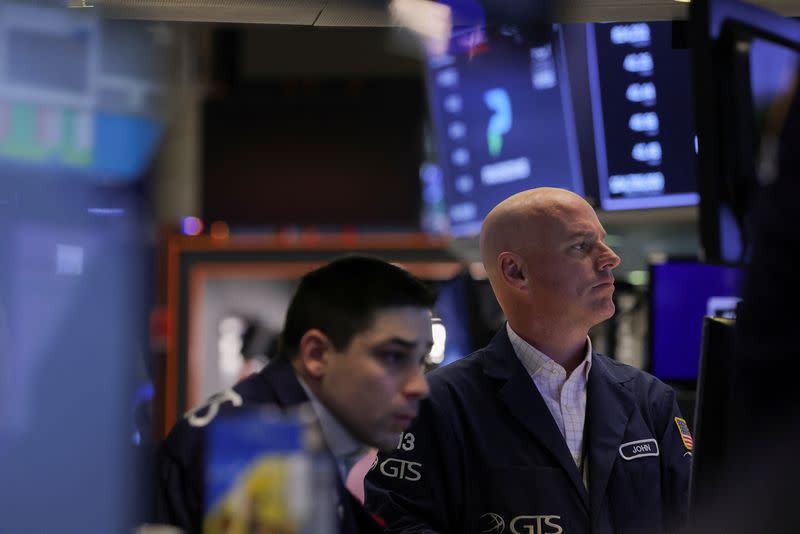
x=721 y=31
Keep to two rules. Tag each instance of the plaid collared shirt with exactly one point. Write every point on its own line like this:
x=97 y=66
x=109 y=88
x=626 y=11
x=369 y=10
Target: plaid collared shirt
x=564 y=396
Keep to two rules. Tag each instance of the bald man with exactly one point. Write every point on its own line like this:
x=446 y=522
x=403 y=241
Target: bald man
x=536 y=433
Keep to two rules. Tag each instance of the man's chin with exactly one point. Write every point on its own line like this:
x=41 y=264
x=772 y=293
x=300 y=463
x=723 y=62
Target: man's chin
x=605 y=310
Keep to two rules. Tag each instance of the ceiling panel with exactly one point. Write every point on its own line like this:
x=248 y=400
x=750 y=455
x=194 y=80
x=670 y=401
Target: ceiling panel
x=371 y=13
x=294 y=12
x=354 y=13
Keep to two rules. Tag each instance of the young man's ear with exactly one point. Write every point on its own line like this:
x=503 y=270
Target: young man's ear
x=313 y=346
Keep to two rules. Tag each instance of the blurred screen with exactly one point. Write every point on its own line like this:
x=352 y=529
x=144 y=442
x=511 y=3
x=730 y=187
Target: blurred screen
x=770 y=72
x=681 y=294
x=80 y=93
x=82 y=105
x=774 y=77
x=503 y=123
x=73 y=262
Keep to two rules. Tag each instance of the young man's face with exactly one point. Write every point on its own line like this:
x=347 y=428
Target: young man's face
x=375 y=384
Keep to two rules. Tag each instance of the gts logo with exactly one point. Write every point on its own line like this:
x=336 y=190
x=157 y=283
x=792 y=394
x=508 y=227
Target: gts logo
x=492 y=523
x=402 y=469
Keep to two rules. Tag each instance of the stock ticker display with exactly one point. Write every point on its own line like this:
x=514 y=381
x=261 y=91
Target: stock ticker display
x=641 y=101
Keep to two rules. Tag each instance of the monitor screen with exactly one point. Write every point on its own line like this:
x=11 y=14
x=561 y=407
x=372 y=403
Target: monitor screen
x=681 y=294
x=503 y=123
x=643 y=128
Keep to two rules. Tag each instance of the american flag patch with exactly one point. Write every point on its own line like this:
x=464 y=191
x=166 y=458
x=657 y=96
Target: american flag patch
x=686 y=436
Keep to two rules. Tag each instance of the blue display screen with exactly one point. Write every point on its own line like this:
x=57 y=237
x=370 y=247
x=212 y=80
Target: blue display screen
x=682 y=293
x=82 y=105
x=503 y=122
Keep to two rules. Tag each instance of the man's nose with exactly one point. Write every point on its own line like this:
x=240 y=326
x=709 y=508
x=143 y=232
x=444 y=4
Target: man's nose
x=608 y=259
x=417 y=384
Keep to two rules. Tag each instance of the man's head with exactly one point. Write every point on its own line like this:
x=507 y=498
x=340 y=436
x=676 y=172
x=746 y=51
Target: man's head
x=545 y=254
x=358 y=331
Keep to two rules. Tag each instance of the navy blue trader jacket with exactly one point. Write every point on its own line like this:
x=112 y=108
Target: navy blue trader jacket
x=485 y=455
x=180 y=462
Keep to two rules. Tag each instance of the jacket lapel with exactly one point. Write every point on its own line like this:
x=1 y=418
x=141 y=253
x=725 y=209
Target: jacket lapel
x=523 y=400
x=609 y=407
x=280 y=379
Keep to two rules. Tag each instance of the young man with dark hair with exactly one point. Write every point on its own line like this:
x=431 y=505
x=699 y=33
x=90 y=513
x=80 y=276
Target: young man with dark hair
x=354 y=343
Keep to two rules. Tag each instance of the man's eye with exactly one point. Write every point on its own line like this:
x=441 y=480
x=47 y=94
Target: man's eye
x=393 y=357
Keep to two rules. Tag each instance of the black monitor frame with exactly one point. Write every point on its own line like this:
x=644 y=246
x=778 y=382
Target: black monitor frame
x=721 y=32
x=712 y=420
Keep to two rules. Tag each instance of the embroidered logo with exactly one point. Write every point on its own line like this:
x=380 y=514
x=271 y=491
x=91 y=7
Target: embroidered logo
x=493 y=523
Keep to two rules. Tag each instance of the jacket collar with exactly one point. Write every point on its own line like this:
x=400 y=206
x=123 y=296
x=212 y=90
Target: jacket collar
x=279 y=378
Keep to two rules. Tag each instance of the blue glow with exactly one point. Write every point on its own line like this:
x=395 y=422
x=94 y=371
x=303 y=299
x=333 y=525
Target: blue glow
x=191 y=226
x=681 y=293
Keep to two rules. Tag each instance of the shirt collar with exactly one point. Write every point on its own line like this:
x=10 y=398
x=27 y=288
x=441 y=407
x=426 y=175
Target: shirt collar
x=537 y=362
x=345 y=448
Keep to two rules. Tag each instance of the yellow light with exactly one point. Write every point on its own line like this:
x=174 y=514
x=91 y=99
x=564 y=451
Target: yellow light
x=638 y=278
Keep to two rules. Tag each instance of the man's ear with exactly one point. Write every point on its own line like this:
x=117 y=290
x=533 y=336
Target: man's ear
x=313 y=347
x=512 y=270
